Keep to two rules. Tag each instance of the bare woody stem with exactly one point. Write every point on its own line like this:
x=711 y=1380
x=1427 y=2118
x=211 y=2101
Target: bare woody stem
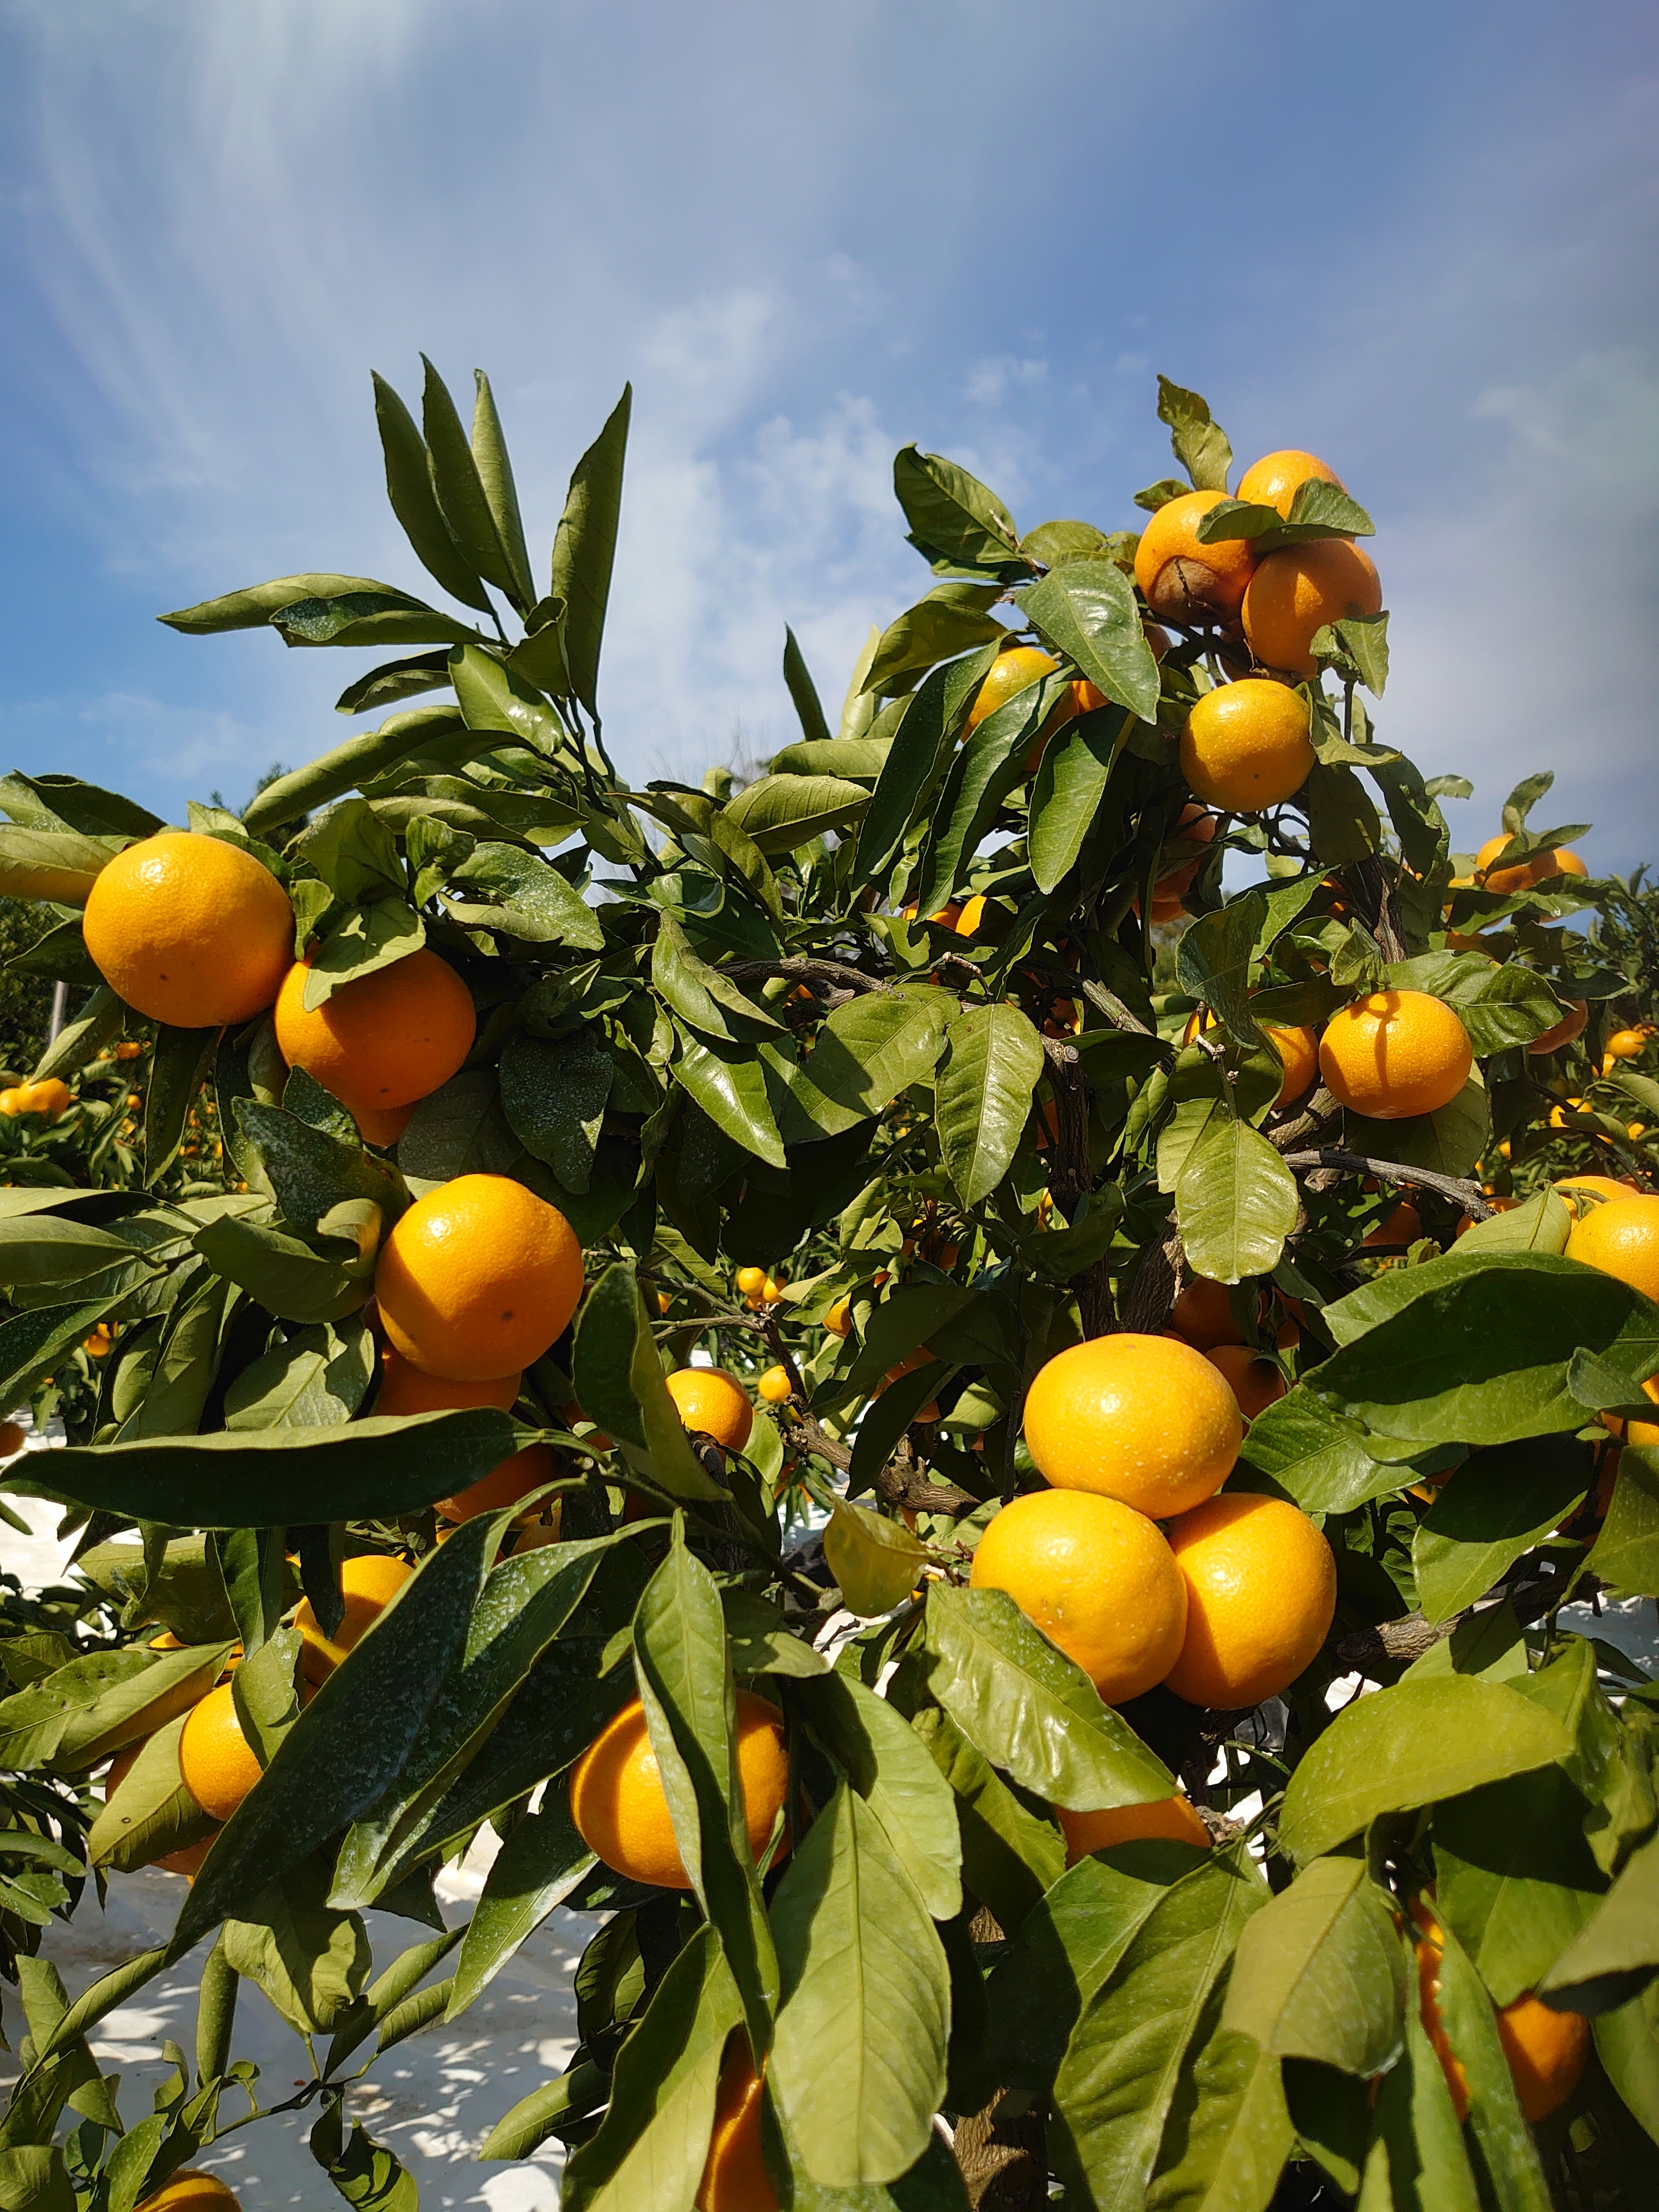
x=1468 y=1195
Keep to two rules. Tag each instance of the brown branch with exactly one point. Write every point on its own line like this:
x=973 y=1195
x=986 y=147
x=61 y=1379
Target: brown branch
x=1390 y=1642
x=1152 y=1293
x=1319 y=1109
x=798 y=968
x=1468 y=1195
x=900 y=1483
x=1069 y=1178
x=1107 y=1002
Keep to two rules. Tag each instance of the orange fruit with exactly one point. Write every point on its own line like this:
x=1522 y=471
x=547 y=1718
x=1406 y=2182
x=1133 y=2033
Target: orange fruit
x=1203 y=1314
x=774 y=1386
x=215 y=1760
x=1260 y=1598
x=1604 y=1186
x=50 y=1098
x=368 y=1583
x=1296 y=591
x=1275 y=479
x=1298 y=1056
x=190 y=930
x=12 y=1439
x=1571 y=1024
x=1394 y=1054
x=1622 y=1238
x=734 y=2177
x=384 y=1125
x=1139 y=1418
x=187 y=1859
x=1015 y=669
x=1627 y=1044
x=617 y=1803
x=1541 y=868
x=1175 y=1818
x=1254 y=1381
x=1097 y=1578
x=191 y=2190
x=1246 y=745
x=1403 y=1226
x=515 y=1478
x=839 y=1319
x=1546 y=2049
x=478 y=1278
x=385 y=1040
x=709 y=1399
x=1183 y=579
x=750 y=1280
x=408 y=1389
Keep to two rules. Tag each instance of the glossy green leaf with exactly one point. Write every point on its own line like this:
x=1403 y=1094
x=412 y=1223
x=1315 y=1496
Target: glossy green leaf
x=344 y=766
x=699 y=993
x=554 y=1098
x=1071 y=782
x=1320 y=1973
x=100 y=1700
x=492 y=698
x=585 y=548
x=1009 y=1855
x=460 y=490
x=781 y=812
x=1515 y=1877
x=1235 y=1200
x=1302 y=1450
x=1087 y=612
x=984 y=1096
x=921 y=749
x=729 y=1083
x=495 y=475
x=409 y=488
x=310 y=1961
x=1449 y=1142
x=524 y=897
x=1029 y=1709
x=1626 y=1553
x=619 y=1382
x=79 y=1042
x=1199 y=441
x=1621 y=1937
x=985 y=768
x=871 y=1050
x=1409 y=1745
x=952 y=619
x=537 y=1868
x=1499 y=1504
x=1228 y=2132
x=857 y=2062
x=253 y=607
x=887 y=1764
x=1507 y=2148
x=803 y=691
x=951 y=512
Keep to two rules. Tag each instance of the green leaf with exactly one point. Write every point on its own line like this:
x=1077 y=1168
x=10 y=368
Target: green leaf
x=525 y=898
x=1319 y=1972
x=460 y=490
x=984 y=1096
x=585 y=548
x=619 y=1381
x=1626 y=1553
x=952 y=619
x=1198 y=442
x=985 y=770
x=1515 y=1877
x=858 y=2060
x=876 y=1562
x=495 y=475
x=802 y=689
x=700 y=993
x=283 y=1274
x=1497 y=1505
x=253 y=607
x=310 y=1961
x=1229 y=2133
x=553 y=1095
x=393 y=680
x=684 y=1672
x=367 y=618
x=178 y=1066
x=729 y=1083
x=1010 y=1857
x=1621 y=1938
x=1118 y=2079
x=1235 y=1200
x=152 y=1813
x=312 y=1172
x=93 y=1705
x=537 y=1867
x=1541 y=1223
x=781 y=812
x=859 y=760
x=951 y=512
x=78 y=1044
x=495 y=698
x=1481 y=1353
x=1022 y=1702
x=1087 y=612
x=1408 y=1747
x=371 y=1470
x=648 y=2154
x=1302 y=1450
x=409 y=488
x=1416 y=2159
x=921 y=747
x=1217 y=961
x=365 y=2172
x=1448 y=1142
x=1505 y=2142
x=33 y=2179
x=344 y=766
x=887 y=1764
x=868 y=1051
x=1071 y=782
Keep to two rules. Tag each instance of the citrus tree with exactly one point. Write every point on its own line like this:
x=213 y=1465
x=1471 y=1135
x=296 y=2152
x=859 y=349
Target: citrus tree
x=974 y=1439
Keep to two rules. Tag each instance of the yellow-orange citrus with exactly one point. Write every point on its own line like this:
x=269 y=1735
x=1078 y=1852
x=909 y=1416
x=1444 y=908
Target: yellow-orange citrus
x=190 y=930
x=1097 y=1578
x=515 y=1478
x=734 y=2176
x=408 y=1389
x=216 y=1763
x=1255 y=1382
x=1394 y=1054
x=12 y=1439
x=617 y=1803
x=1628 y=1044
x=1571 y=1024
x=50 y=1098
x=368 y=1583
x=1522 y=875
x=1203 y=1314
x=1182 y=579
x=189 y=2190
x=774 y=1386
x=384 y=1125
x=1246 y=746
x=1603 y=1186
x=1015 y=669
x=478 y=1278
x=710 y=1400
x=749 y=1280
x=1275 y=479
x=1403 y=1226
x=1622 y=1238
x=1296 y=591
x=1298 y=1056
x=1260 y=1598
x=187 y=1859
x=1174 y=1818
x=1546 y=2049
x=385 y=1040
x=839 y=1319
x=1140 y=1419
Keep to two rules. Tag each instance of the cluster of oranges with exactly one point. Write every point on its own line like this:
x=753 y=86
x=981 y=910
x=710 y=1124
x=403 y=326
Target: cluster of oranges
x=48 y=1098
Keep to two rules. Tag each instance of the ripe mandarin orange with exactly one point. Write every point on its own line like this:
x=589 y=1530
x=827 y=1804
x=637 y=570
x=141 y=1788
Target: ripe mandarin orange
x=617 y=1803
x=1394 y=1054
x=734 y=2176
x=750 y=1280
x=1298 y=1055
x=1547 y=2050
x=1203 y=1314
x=216 y=1763
x=385 y=1040
x=1628 y=1044
x=515 y=1478
x=384 y=1125
x=1015 y=669
x=1140 y=1419
x=409 y=1389
x=1260 y=1598
x=1571 y=1024
x=478 y=1278
x=1298 y=590
x=189 y=2190
x=187 y=1859
x=1275 y=479
x=1622 y=1238
x=1543 y=867
x=710 y=1400
x=1246 y=745
x=190 y=930
x=1403 y=1226
x=774 y=1386
x=12 y=1439
x=1175 y=1818
x=1097 y=1578
x=1254 y=1381
x=1182 y=579
x=368 y=1583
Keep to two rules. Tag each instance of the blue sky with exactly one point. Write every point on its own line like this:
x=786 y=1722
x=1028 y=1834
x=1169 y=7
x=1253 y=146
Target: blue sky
x=1417 y=240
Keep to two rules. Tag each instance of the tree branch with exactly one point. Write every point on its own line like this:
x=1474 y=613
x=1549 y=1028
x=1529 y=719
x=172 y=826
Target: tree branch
x=1468 y=1195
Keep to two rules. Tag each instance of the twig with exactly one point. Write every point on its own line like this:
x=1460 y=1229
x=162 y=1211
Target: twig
x=835 y=973
x=1391 y=1641
x=1106 y=1002
x=1469 y=1195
